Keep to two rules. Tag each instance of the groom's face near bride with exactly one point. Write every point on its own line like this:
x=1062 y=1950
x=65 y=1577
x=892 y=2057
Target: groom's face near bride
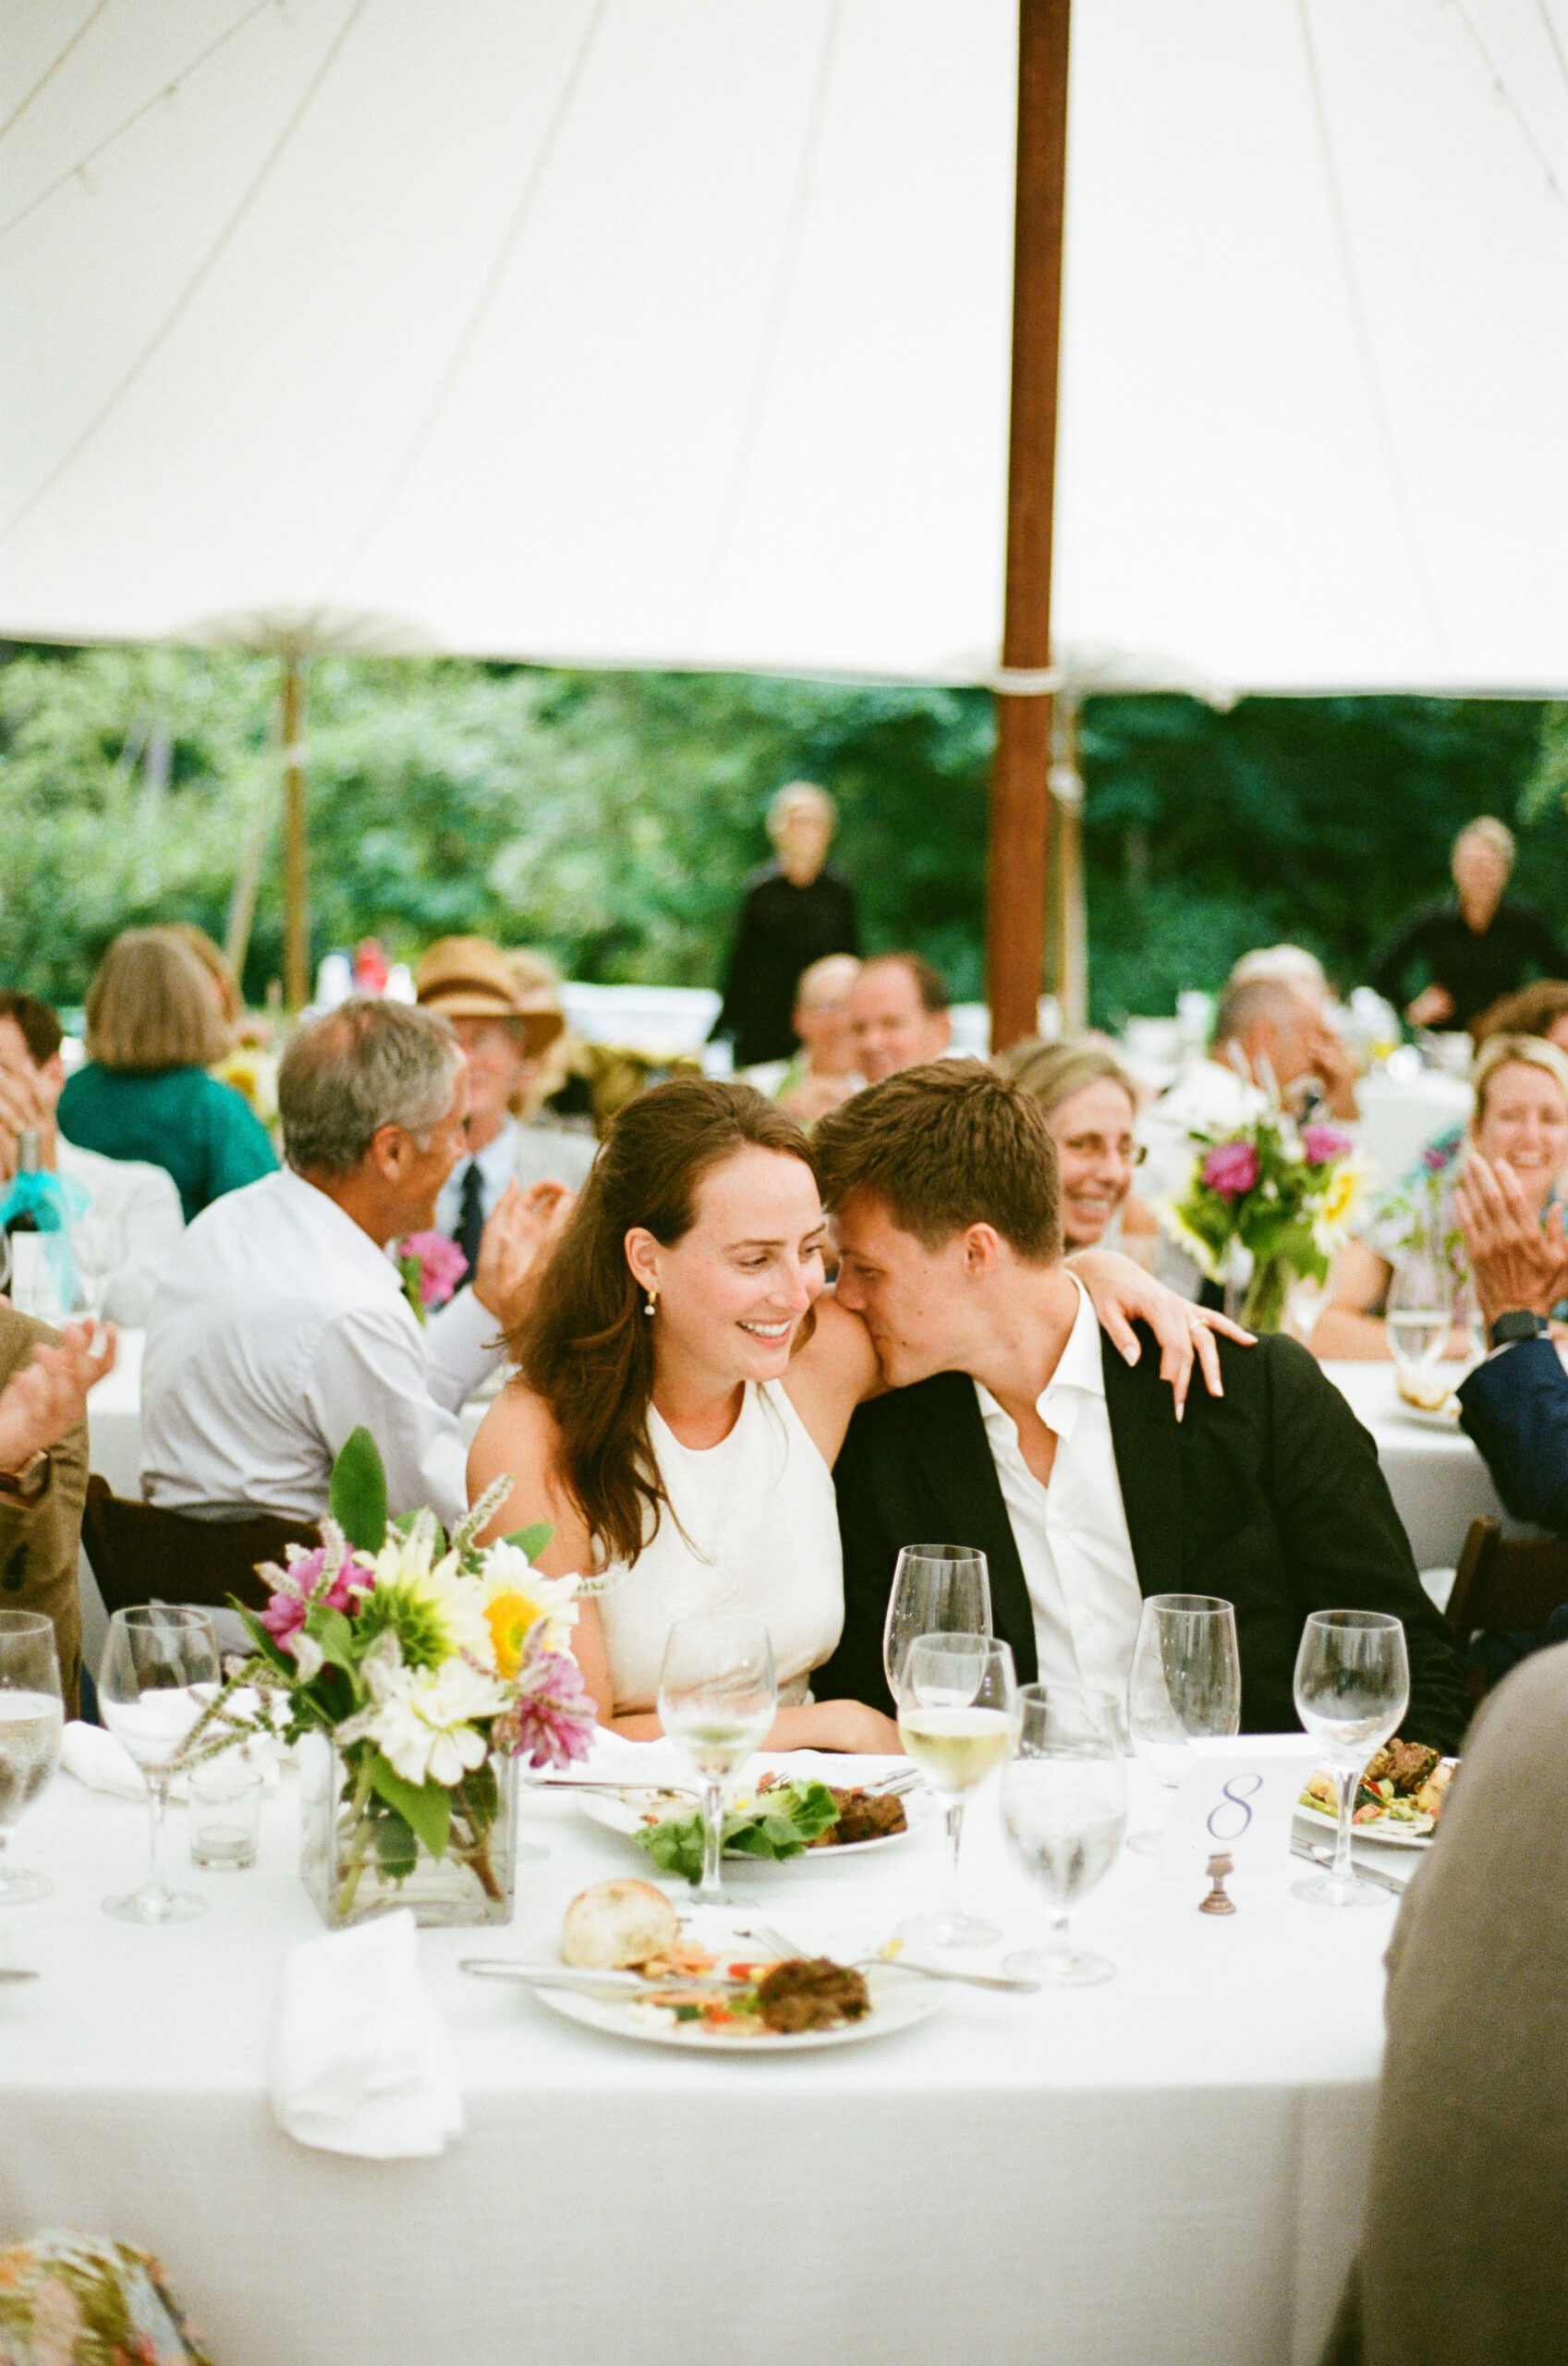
x=921 y=1306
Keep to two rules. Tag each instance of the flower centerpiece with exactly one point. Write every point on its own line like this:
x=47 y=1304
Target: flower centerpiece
x=430 y=1267
x=422 y=1667
x=1284 y=1193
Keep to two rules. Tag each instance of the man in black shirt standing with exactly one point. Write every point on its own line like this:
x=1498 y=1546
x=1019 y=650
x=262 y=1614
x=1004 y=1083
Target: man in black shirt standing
x=796 y=911
x=1475 y=948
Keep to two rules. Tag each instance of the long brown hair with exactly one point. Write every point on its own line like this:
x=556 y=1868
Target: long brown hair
x=585 y=1348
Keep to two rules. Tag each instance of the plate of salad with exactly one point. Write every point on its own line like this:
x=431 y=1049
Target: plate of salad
x=778 y=1819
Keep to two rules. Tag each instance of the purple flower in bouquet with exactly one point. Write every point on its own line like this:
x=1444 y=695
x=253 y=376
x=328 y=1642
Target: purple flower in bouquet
x=1231 y=1169
x=1435 y=1157
x=284 y=1614
x=553 y=1719
x=1324 y=1144
x=439 y=1266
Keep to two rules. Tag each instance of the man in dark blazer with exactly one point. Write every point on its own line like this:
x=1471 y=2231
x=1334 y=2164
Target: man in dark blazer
x=1515 y=1404
x=944 y=1182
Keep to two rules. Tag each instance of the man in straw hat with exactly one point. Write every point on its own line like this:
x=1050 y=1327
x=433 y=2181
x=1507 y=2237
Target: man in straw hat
x=470 y=981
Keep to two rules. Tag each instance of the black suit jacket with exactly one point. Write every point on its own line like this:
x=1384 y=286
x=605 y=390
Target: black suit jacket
x=1515 y=1407
x=1269 y=1496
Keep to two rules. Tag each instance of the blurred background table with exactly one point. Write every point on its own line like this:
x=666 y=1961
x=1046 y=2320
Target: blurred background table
x=1159 y=2171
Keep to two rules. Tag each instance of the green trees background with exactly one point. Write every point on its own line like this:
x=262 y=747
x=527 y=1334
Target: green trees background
x=611 y=818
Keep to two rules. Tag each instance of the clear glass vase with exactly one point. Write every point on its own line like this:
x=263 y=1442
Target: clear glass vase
x=358 y=1859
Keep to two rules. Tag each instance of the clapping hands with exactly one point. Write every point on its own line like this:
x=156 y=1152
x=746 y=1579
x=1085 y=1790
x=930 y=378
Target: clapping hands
x=1519 y=1266
x=516 y=1245
x=48 y=1395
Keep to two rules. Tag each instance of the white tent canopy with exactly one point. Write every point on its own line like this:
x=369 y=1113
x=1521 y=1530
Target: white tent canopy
x=676 y=331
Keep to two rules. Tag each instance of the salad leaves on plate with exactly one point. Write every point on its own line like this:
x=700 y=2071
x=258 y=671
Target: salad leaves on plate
x=780 y=1821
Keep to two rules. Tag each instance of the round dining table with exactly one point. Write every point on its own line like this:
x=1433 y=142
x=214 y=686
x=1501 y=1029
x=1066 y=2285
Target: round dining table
x=1164 y=2170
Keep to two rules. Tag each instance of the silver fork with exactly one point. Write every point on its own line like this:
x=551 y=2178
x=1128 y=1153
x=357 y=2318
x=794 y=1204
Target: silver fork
x=772 y=1937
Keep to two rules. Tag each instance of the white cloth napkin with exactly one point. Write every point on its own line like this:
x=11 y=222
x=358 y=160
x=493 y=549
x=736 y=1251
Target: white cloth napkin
x=95 y=1758
x=361 y=2061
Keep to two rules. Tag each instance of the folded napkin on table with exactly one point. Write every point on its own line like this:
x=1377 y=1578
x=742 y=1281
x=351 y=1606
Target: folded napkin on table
x=361 y=2061
x=95 y=1758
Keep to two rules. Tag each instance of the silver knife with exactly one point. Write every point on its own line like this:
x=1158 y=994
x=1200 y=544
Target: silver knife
x=1325 y=1857
x=583 y=1978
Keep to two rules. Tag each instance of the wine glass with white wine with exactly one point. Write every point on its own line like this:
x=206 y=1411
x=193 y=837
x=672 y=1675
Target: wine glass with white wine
x=32 y=1722
x=158 y=1672
x=957 y=1716
x=717 y=1700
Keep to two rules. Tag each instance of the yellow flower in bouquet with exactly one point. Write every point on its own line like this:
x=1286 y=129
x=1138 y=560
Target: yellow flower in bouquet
x=515 y=1596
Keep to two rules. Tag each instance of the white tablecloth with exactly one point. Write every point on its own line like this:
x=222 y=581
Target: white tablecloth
x=1163 y=2171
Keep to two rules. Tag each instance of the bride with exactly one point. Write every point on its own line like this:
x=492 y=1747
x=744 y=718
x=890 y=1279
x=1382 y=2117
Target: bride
x=684 y=1386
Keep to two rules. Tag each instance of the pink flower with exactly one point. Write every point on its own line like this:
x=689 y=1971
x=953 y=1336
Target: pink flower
x=301 y=1591
x=1324 y=1144
x=1231 y=1169
x=555 y=1719
x=442 y=1265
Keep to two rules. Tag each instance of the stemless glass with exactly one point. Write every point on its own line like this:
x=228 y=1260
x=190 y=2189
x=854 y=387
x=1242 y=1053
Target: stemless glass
x=937 y=1590
x=957 y=1716
x=1185 y=1682
x=158 y=1672
x=31 y=1721
x=1064 y=1804
x=1352 y=1689
x=1419 y=1311
x=717 y=1697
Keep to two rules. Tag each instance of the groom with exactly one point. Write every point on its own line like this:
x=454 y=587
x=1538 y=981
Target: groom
x=1012 y=1425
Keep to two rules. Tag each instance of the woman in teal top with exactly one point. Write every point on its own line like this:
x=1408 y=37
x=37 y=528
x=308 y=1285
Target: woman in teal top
x=153 y=1028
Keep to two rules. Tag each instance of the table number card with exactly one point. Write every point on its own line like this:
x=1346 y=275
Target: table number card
x=1237 y=1800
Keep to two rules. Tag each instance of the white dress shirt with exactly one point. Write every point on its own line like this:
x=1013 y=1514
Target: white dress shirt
x=1072 y=1535
x=525 y=1155
x=142 y=1201
x=279 y=1328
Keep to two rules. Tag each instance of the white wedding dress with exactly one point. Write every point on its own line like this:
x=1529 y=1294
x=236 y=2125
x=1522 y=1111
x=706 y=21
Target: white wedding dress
x=754 y=1524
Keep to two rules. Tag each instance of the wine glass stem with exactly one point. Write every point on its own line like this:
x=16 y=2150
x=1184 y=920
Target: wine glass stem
x=1060 y=1948
x=711 y=1890
x=1344 y=1875
x=157 y=1797
x=955 y=1837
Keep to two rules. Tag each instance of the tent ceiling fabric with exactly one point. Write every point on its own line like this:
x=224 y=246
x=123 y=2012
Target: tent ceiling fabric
x=674 y=332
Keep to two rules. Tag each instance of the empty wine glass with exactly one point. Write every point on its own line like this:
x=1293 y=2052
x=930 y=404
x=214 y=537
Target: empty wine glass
x=1352 y=1689
x=1419 y=1311
x=937 y=1590
x=717 y=1697
x=1064 y=1804
x=957 y=1716
x=158 y=1672
x=97 y=1252
x=1185 y=1682
x=31 y=1721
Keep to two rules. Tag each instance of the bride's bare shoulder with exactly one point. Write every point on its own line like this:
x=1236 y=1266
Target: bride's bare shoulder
x=519 y=1439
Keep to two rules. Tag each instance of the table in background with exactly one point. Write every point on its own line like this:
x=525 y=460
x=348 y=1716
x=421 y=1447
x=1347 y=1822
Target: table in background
x=1161 y=2171
x=1435 y=1475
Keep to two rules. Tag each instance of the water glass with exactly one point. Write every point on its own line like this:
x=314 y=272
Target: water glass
x=158 y=1672
x=32 y=1722
x=225 y=1812
x=1064 y=1806
x=1419 y=1311
x=97 y=1250
x=717 y=1700
x=1352 y=1689
x=957 y=1719
x=937 y=1590
x=1186 y=1683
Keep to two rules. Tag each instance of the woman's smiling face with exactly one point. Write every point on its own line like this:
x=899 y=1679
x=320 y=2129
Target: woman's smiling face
x=1093 y=1131
x=1524 y=1125
x=732 y=1291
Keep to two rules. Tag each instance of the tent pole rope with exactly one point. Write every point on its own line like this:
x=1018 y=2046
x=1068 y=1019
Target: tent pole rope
x=1020 y=790
x=49 y=72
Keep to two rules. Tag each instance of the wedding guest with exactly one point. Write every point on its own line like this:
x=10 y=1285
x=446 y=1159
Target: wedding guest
x=1514 y=1404
x=822 y=1073
x=153 y=1029
x=1541 y=1009
x=137 y=1200
x=796 y=909
x=1091 y=1103
x=1520 y=1121
x=1010 y=1426
x=899 y=1014
x=1479 y=944
x=44 y=1384
x=556 y=1094
x=283 y=1324
x=222 y=983
x=471 y=983
x=1473 y=2101
x=683 y=1388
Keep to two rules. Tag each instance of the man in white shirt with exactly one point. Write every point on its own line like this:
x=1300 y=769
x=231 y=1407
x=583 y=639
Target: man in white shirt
x=1013 y=1428
x=470 y=981
x=138 y=1203
x=283 y=1326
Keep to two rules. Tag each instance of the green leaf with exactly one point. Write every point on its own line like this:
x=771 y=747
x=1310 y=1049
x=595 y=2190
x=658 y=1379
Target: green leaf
x=358 y=1498
x=332 y=1632
x=532 y=1542
x=426 y=1808
x=397 y=1851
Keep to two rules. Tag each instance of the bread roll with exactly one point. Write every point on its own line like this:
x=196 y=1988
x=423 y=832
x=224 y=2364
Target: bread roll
x=618 y=1923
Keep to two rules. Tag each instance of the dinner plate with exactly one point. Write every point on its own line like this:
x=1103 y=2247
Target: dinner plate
x=1386 y=1836
x=899 y=2000
x=625 y=1815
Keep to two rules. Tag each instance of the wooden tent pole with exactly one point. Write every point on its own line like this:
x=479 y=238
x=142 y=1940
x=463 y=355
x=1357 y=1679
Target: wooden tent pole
x=1020 y=793
x=296 y=872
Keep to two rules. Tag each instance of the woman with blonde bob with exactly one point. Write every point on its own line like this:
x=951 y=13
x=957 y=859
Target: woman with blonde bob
x=1520 y=1122
x=154 y=1027
x=1091 y=1103
x=684 y=1388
